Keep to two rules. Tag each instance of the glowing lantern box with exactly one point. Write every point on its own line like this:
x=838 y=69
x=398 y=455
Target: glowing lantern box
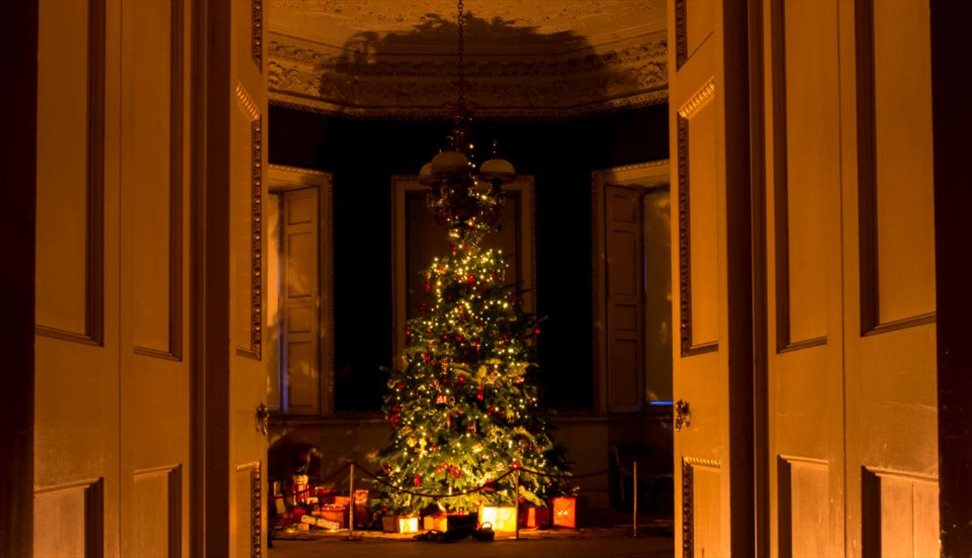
x=400 y=524
x=564 y=512
x=435 y=523
x=534 y=517
x=502 y=518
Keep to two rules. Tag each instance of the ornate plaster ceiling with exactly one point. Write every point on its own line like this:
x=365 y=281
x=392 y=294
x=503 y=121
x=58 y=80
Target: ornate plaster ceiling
x=538 y=58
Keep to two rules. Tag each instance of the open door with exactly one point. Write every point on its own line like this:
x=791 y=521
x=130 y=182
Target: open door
x=712 y=365
x=232 y=270
x=845 y=278
x=112 y=447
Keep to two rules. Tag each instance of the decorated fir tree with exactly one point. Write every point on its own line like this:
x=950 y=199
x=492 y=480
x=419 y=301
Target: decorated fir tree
x=463 y=406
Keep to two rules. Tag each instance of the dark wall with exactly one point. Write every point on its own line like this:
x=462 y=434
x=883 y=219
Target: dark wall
x=362 y=155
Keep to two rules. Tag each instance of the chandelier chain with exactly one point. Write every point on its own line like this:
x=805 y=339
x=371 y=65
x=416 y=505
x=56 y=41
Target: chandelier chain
x=461 y=50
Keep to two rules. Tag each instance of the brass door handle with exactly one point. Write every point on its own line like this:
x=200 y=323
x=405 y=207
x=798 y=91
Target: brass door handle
x=683 y=415
x=263 y=419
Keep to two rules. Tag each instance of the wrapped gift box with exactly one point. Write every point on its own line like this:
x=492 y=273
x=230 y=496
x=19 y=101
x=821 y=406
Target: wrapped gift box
x=564 y=512
x=320 y=522
x=535 y=517
x=502 y=518
x=435 y=523
x=360 y=508
x=341 y=500
x=400 y=523
x=335 y=513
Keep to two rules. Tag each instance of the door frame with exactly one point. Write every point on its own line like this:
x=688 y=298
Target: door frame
x=209 y=476
x=951 y=121
x=18 y=166
x=18 y=194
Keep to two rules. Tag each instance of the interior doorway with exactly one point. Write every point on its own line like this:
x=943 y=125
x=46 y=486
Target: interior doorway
x=633 y=287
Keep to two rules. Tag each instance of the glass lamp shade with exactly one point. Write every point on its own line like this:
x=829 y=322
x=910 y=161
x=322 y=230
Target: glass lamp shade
x=450 y=163
x=497 y=169
x=425 y=174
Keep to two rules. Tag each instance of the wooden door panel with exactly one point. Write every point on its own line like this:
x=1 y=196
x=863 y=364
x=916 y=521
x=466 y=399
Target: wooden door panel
x=70 y=169
x=701 y=365
x=804 y=357
x=153 y=171
x=695 y=23
x=158 y=514
x=76 y=466
x=804 y=504
x=895 y=158
x=889 y=280
x=154 y=380
x=624 y=255
x=247 y=248
x=806 y=167
x=78 y=512
x=896 y=521
x=699 y=206
x=702 y=527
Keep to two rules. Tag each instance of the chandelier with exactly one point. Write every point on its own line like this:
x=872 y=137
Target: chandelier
x=463 y=197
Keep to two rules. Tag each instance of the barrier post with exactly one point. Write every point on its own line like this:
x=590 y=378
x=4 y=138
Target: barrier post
x=634 y=489
x=516 y=501
x=351 y=507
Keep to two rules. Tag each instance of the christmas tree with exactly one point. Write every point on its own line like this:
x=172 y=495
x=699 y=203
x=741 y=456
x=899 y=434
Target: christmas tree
x=463 y=406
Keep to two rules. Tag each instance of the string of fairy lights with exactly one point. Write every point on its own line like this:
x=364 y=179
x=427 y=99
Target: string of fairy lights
x=461 y=407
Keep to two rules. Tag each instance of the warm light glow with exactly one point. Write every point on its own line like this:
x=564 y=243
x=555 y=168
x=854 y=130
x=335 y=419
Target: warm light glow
x=503 y=518
x=408 y=524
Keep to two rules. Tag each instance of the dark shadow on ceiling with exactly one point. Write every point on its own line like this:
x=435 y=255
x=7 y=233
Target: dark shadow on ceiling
x=545 y=70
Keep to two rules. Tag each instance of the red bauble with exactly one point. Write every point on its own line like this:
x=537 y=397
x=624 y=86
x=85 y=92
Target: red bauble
x=426 y=357
x=400 y=386
x=471 y=279
x=396 y=420
x=479 y=394
x=417 y=481
x=428 y=286
x=490 y=409
x=536 y=331
x=397 y=409
x=461 y=380
x=408 y=331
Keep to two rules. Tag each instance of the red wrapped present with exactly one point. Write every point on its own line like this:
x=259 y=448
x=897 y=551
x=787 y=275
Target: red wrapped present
x=535 y=517
x=360 y=508
x=564 y=512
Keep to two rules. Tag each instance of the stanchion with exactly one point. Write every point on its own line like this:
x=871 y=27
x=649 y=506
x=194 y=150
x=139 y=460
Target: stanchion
x=634 y=489
x=516 y=502
x=351 y=506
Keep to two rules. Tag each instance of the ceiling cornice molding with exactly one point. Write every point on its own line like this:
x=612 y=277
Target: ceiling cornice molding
x=310 y=104
x=320 y=77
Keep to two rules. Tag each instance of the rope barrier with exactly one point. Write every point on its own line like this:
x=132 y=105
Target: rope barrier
x=486 y=485
x=515 y=468
x=570 y=476
x=433 y=496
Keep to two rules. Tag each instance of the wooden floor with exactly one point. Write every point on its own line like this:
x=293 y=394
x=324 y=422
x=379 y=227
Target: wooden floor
x=590 y=543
